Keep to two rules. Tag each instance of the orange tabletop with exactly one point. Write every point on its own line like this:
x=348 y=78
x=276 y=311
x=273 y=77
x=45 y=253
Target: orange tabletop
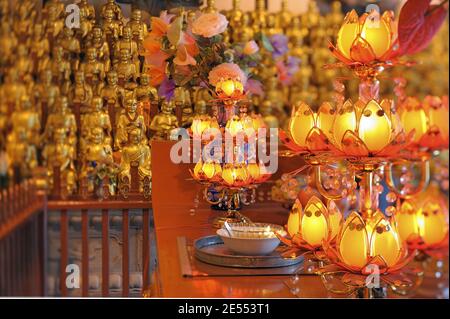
x=175 y=216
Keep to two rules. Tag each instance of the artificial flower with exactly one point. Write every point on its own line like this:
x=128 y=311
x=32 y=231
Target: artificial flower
x=254 y=87
x=209 y=24
x=167 y=89
x=279 y=44
x=157 y=74
x=183 y=57
x=251 y=47
x=226 y=71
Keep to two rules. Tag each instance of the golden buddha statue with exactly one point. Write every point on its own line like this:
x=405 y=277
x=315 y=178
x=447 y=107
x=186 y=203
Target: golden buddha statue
x=87 y=19
x=111 y=94
x=138 y=27
x=97 y=152
x=259 y=16
x=312 y=16
x=53 y=6
x=93 y=69
x=98 y=41
x=71 y=46
x=128 y=119
x=13 y=89
x=53 y=24
x=9 y=44
x=243 y=31
x=200 y=108
x=60 y=69
x=271 y=26
x=28 y=118
x=4 y=8
x=39 y=49
x=46 y=92
x=269 y=119
x=23 y=19
x=210 y=7
x=164 y=122
x=334 y=19
x=96 y=117
x=266 y=70
x=182 y=97
x=112 y=28
x=146 y=94
x=61 y=118
x=284 y=16
x=296 y=31
x=112 y=6
x=23 y=64
x=235 y=15
x=21 y=152
x=60 y=152
x=275 y=95
x=126 y=42
x=135 y=151
x=81 y=92
x=126 y=70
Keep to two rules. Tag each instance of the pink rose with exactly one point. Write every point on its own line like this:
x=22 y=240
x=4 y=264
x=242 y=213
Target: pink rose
x=250 y=48
x=226 y=71
x=209 y=25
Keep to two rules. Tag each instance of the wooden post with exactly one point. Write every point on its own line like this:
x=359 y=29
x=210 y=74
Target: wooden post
x=135 y=180
x=56 y=191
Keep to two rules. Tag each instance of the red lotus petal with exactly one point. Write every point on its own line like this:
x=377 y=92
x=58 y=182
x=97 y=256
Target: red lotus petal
x=289 y=142
x=415 y=27
x=338 y=54
x=317 y=141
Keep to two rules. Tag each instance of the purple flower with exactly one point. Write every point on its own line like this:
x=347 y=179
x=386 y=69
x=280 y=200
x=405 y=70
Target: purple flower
x=292 y=64
x=280 y=45
x=254 y=87
x=167 y=89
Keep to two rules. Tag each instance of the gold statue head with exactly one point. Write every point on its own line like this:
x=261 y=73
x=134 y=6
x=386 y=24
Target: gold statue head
x=91 y=54
x=271 y=20
x=96 y=135
x=136 y=15
x=109 y=14
x=37 y=30
x=25 y=103
x=336 y=7
x=134 y=136
x=126 y=32
x=124 y=55
x=97 y=103
x=79 y=77
x=130 y=104
x=22 y=50
x=112 y=77
x=97 y=32
x=200 y=107
x=296 y=22
x=68 y=32
x=167 y=106
x=245 y=19
x=46 y=76
x=145 y=79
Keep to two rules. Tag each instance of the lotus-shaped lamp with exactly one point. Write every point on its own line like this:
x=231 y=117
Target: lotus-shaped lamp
x=365 y=40
x=201 y=123
x=309 y=131
x=361 y=245
x=230 y=89
x=423 y=223
x=207 y=171
x=316 y=223
x=428 y=120
x=369 y=129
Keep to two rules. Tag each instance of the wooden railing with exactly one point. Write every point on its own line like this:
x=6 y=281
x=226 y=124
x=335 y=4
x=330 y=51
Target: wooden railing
x=22 y=241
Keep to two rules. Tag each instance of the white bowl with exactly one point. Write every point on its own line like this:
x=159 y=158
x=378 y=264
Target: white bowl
x=249 y=246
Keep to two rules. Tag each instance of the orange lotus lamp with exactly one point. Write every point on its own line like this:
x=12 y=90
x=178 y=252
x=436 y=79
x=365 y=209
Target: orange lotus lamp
x=202 y=123
x=423 y=222
x=230 y=91
x=428 y=120
x=311 y=226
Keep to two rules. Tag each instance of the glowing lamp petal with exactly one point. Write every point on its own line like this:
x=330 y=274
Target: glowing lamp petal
x=374 y=127
x=353 y=243
x=377 y=33
x=293 y=224
x=314 y=226
x=434 y=227
x=385 y=242
x=348 y=33
x=301 y=123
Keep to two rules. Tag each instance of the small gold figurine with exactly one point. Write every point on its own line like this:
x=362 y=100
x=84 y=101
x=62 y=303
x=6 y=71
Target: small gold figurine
x=210 y=7
x=93 y=69
x=53 y=24
x=135 y=152
x=71 y=46
x=97 y=153
x=164 y=122
x=98 y=41
x=61 y=118
x=113 y=7
x=98 y=118
x=9 y=43
x=46 y=92
x=126 y=42
x=271 y=27
x=129 y=118
x=60 y=69
x=39 y=49
x=111 y=94
x=138 y=28
x=126 y=70
x=146 y=94
x=59 y=153
x=12 y=89
x=284 y=16
x=53 y=6
x=112 y=28
x=27 y=118
x=270 y=120
x=81 y=93
x=259 y=16
x=21 y=153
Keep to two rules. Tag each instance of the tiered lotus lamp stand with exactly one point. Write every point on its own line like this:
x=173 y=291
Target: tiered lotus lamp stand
x=374 y=138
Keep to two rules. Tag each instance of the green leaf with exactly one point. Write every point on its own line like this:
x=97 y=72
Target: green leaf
x=266 y=43
x=174 y=32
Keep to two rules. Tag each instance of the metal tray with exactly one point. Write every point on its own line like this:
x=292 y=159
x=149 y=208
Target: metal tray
x=211 y=250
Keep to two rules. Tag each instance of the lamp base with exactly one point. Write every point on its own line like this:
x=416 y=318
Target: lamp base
x=231 y=216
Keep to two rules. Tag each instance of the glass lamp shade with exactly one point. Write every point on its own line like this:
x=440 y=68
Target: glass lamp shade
x=365 y=39
x=427 y=120
x=424 y=221
x=202 y=123
x=362 y=243
x=369 y=129
x=314 y=224
x=230 y=89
